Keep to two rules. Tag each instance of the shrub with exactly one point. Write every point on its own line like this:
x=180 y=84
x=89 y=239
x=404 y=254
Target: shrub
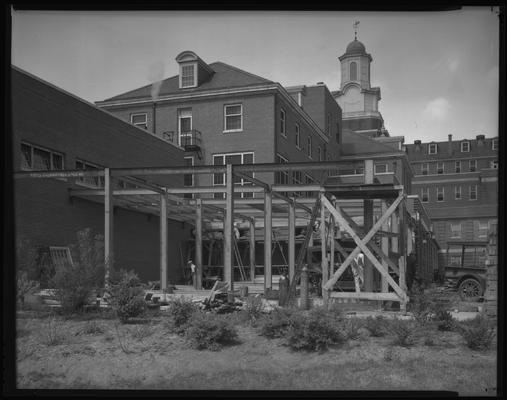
x=316 y=332
x=76 y=283
x=276 y=323
x=420 y=304
x=350 y=328
x=180 y=311
x=390 y=354
x=92 y=328
x=446 y=323
x=253 y=308
x=53 y=333
x=142 y=331
x=127 y=296
x=478 y=333
x=209 y=331
x=376 y=326
x=26 y=270
x=404 y=332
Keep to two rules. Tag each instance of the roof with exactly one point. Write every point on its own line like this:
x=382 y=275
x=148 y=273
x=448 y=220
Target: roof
x=357 y=143
x=355 y=47
x=225 y=76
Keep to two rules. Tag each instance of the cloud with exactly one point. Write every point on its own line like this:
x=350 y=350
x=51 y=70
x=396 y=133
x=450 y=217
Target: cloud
x=437 y=108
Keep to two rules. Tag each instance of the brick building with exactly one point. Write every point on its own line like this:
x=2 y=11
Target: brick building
x=55 y=130
x=220 y=114
x=457 y=181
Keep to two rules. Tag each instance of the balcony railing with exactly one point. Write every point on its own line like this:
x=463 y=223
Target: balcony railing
x=189 y=140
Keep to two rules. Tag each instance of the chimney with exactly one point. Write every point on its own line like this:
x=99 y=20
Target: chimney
x=449 y=145
x=417 y=145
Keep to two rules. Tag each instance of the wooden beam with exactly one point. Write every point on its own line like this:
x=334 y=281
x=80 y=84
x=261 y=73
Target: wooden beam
x=198 y=244
x=332 y=243
x=385 y=248
x=323 y=264
x=108 y=224
x=391 y=296
x=163 y=242
x=292 y=241
x=368 y=223
x=252 y=250
x=268 y=277
x=229 y=229
x=255 y=181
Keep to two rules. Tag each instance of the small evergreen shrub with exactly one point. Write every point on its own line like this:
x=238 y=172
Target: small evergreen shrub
x=376 y=326
x=420 y=304
x=180 y=311
x=127 y=296
x=92 y=328
x=404 y=332
x=315 y=332
x=478 y=333
x=209 y=331
x=446 y=322
x=350 y=328
x=276 y=323
x=253 y=308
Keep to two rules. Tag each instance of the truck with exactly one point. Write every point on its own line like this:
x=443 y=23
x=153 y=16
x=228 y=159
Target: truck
x=465 y=268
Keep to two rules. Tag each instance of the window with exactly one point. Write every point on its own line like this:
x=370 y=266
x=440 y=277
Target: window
x=233 y=115
x=457 y=192
x=34 y=157
x=381 y=169
x=472 y=165
x=455 y=261
x=440 y=194
x=90 y=181
x=493 y=164
x=232 y=158
x=457 y=167
x=188 y=179
x=185 y=126
x=455 y=230
x=424 y=168
x=425 y=195
x=319 y=153
x=482 y=229
x=473 y=192
x=432 y=148
x=282 y=122
x=465 y=147
x=494 y=144
x=298 y=137
x=353 y=71
x=140 y=120
x=440 y=168
x=187 y=76
x=309 y=147
x=282 y=177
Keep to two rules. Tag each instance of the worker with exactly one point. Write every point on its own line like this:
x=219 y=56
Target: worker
x=193 y=273
x=236 y=231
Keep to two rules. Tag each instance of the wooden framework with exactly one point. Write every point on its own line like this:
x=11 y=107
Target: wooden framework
x=271 y=210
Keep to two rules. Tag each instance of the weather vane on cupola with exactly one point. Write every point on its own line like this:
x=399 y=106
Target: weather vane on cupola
x=355 y=25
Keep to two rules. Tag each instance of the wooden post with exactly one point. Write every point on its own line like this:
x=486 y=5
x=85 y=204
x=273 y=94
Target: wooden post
x=108 y=225
x=228 y=228
x=403 y=252
x=163 y=242
x=198 y=242
x=368 y=223
x=292 y=241
x=268 y=277
x=323 y=264
x=304 y=288
x=252 y=250
x=385 y=247
x=332 y=246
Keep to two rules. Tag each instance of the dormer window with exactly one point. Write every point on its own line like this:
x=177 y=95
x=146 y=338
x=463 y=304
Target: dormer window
x=432 y=148
x=465 y=147
x=494 y=144
x=188 y=75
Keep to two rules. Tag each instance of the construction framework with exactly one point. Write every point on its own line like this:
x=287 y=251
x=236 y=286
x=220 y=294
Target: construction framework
x=338 y=199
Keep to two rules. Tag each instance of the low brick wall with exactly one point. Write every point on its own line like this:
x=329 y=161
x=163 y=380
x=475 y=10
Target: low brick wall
x=491 y=294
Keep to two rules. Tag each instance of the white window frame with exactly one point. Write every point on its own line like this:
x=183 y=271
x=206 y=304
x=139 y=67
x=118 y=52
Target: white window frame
x=85 y=180
x=194 y=66
x=472 y=165
x=493 y=164
x=441 y=190
x=425 y=169
x=494 y=144
x=470 y=191
x=423 y=192
x=383 y=165
x=139 y=124
x=457 y=193
x=457 y=167
x=438 y=168
x=283 y=123
x=243 y=181
x=434 y=147
x=233 y=115
x=298 y=136
x=309 y=149
x=480 y=226
x=50 y=152
x=465 y=146
x=184 y=113
x=456 y=232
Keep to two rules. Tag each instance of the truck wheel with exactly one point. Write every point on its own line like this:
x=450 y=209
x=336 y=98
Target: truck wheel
x=470 y=290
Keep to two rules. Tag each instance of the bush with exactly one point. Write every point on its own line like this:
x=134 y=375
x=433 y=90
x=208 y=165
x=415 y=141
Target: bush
x=76 y=284
x=404 y=332
x=420 y=304
x=127 y=296
x=92 y=328
x=350 y=328
x=376 y=326
x=253 y=308
x=316 y=332
x=276 y=323
x=478 y=333
x=180 y=311
x=53 y=333
x=446 y=322
x=209 y=331
x=26 y=270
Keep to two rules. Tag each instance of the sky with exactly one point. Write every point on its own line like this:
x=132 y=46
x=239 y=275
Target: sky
x=437 y=71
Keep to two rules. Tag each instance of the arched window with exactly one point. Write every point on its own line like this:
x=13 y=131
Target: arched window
x=353 y=71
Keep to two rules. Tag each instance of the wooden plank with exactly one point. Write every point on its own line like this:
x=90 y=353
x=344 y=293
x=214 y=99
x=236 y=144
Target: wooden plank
x=163 y=242
x=108 y=224
x=252 y=250
x=292 y=241
x=228 y=228
x=385 y=248
x=267 y=240
x=368 y=223
x=366 y=296
x=198 y=243
x=323 y=264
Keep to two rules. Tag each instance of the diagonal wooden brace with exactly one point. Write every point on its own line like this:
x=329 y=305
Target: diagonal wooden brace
x=361 y=245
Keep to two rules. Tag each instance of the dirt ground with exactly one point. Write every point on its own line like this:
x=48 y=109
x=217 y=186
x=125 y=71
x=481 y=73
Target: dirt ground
x=54 y=353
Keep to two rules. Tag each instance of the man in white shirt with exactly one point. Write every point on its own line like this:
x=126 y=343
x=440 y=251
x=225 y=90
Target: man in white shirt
x=191 y=265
